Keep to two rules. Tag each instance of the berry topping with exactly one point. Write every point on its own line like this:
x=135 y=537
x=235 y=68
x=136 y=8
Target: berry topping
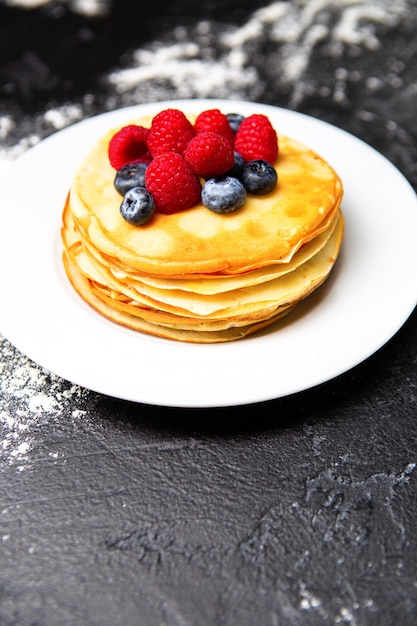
x=235 y=120
x=128 y=145
x=170 y=131
x=209 y=154
x=259 y=177
x=131 y=175
x=223 y=195
x=257 y=139
x=159 y=168
x=138 y=206
x=172 y=183
x=214 y=121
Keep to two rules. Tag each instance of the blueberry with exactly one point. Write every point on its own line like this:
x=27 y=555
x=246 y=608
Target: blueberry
x=237 y=170
x=138 y=206
x=223 y=195
x=235 y=120
x=259 y=177
x=130 y=175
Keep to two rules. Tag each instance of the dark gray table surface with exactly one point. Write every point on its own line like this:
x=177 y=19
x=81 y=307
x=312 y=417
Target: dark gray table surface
x=297 y=511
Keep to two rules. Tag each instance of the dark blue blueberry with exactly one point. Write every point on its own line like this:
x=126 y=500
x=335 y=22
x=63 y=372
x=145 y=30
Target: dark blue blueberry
x=223 y=195
x=237 y=170
x=131 y=175
x=138 y=206
x=259 y=177
x=235 y=120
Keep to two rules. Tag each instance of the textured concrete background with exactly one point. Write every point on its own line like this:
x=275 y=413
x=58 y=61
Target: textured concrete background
x=299 y=511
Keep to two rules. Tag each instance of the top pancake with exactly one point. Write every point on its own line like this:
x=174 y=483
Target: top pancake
x=267 y=230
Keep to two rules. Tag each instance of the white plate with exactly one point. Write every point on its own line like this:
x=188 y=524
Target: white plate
x=370 y=294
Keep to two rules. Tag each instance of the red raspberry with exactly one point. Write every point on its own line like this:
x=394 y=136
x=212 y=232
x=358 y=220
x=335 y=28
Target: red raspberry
x=170 y=131
x=129 y=145
x=209 y=154
x=172 y=183
x=257 y=139
x=214 y=121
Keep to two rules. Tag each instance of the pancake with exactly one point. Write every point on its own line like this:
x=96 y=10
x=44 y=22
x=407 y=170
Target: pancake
x=195 y=275
x=266 y=230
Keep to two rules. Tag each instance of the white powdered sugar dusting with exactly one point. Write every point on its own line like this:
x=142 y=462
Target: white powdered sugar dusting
x=64 y=115
x=30 y=398
x=10 y=153
x=6 y=125
x=294 y=28
x=84 y=7
x=187 y=72
x=54 y=119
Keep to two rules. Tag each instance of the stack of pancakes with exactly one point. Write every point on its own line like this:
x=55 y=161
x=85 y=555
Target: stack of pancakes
x=195 y=275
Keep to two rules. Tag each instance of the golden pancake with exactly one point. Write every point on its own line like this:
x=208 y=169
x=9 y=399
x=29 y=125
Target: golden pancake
x=286 y=288
x=196 y=275
x=82 y=286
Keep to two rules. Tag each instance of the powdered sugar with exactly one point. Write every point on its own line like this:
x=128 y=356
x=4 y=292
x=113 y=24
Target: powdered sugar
x=64 y=115
x=9 y=153
x=84 y=7
x=30 y=398
x=190 y=75
x=295 y=29
x=6 y=125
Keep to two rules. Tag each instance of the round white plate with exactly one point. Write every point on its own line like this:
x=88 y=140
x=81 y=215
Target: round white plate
x=370 y=294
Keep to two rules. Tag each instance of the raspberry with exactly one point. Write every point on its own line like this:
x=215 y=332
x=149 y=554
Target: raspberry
x=257 y=139
x=129 y=145
x=209 y=154
x=172 y=183
x=214 y=121
x=170 y=131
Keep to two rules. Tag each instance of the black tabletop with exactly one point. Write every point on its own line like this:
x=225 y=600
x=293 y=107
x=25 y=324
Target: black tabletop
x=296 y=511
